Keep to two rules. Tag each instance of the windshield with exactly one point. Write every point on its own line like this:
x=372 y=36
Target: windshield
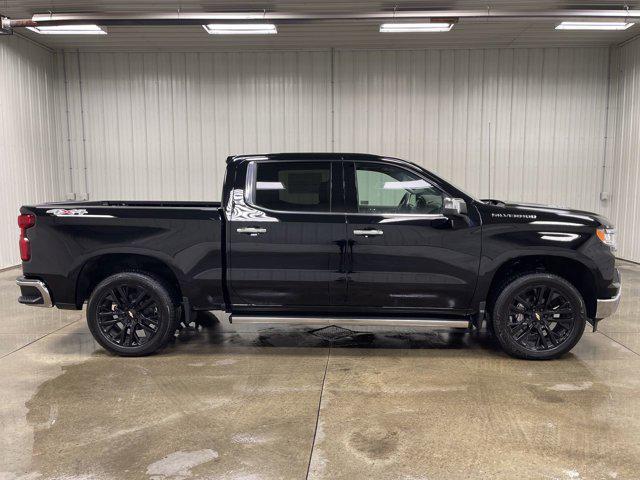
x=473 y=197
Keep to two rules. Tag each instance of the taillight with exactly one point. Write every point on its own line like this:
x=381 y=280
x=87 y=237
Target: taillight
x=25 y=221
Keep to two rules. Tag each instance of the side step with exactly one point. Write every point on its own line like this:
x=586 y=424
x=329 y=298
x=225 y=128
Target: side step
x=348 y=321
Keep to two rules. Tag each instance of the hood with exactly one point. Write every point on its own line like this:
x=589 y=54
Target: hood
x=533 y=212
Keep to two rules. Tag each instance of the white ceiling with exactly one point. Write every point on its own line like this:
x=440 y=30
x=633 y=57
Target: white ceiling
x=351 y=34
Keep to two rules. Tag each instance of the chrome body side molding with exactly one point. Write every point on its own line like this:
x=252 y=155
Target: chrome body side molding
x=341 y=321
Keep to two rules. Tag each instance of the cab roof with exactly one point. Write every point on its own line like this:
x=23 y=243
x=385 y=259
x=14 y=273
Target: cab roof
x=311 y=156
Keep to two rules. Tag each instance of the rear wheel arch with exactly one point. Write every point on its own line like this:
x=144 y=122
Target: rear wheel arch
x=572 y=270
x=96 y=269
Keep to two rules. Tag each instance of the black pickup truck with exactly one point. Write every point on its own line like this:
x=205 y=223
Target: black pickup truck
x=324 y=239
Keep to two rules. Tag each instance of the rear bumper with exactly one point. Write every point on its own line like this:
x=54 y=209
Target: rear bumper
x=608 y=306
x=33 y=292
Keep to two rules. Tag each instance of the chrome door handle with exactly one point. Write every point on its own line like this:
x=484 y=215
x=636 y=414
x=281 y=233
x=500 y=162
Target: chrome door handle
x=368 y=233
x=252 y=231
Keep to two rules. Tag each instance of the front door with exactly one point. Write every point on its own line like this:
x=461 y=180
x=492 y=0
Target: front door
x=405 y=254
x=284 y=239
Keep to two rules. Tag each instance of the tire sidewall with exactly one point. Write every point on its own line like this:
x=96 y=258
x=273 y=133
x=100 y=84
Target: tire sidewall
x=165 y=307
x=501 y=309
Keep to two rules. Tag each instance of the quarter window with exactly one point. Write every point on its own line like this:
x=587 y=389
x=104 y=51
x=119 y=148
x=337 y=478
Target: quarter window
x=293 y=186
x=390 y=189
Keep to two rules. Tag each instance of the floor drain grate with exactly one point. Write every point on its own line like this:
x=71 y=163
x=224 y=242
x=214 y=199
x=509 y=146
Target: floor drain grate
x=333 y=332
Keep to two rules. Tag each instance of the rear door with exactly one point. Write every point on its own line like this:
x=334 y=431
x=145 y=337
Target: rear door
x=405 y=254
x=285 y=238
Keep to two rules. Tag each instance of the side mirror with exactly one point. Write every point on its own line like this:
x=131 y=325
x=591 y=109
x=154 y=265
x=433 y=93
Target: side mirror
x=454 y=206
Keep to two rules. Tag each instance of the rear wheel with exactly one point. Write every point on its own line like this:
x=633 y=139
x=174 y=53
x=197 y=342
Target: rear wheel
x=538 y=316
x=131 y=314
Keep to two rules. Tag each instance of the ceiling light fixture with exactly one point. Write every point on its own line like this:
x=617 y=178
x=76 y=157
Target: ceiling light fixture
x=68 y=30
x=241 y=28
x=593 y=26
x=415 y=27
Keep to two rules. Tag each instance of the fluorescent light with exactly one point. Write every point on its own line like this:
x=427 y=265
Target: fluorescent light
x=415 y=27
x=241 y=28
x=68 y=30
x=269 y=186
x=407 y=185
x=593 y=26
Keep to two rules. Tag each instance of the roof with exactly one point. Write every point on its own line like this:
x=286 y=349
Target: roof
x=311 y=156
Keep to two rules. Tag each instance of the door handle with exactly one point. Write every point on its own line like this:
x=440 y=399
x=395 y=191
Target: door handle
x=252 y=231
x=368 y=233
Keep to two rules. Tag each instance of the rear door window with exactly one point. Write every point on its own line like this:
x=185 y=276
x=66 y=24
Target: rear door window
x=292 y=186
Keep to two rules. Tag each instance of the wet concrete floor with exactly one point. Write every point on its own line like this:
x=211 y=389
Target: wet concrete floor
x=281 y=403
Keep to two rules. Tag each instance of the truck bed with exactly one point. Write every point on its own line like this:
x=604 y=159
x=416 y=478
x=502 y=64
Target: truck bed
x=184 y=239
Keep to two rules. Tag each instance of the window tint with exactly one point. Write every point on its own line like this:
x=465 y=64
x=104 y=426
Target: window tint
x=293 y=186
x=390 y=189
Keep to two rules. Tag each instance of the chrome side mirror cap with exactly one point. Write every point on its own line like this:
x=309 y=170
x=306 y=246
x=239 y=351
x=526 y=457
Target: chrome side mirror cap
x=454 y=206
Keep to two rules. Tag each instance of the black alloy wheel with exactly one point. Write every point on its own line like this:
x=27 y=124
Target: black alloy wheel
x=131 y=314
x=128 y=315
x=538 y=316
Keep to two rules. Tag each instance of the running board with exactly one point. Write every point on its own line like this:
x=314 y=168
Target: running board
x=349 y=321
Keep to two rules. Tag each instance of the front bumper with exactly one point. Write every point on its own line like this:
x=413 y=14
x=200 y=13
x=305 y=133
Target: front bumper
x=34 y=292
x=608 y=306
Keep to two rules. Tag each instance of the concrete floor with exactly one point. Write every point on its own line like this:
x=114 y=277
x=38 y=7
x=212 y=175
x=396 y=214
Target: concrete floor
x=284 y=404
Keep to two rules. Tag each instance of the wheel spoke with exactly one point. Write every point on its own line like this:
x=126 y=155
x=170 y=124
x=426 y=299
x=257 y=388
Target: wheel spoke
x=525 y=303
x=128 y=337
x=147 y=320
x=518 y=337
x=146 y=304
x=540 y=318
x=543 y=293
x=547 y=301
x=121 y=335
x=109 y=323
x=120 y=315
x=551 y=335
x=117 y=299
x=543 y=337
x=137 y=298
x=146 y=328
x=517 y=324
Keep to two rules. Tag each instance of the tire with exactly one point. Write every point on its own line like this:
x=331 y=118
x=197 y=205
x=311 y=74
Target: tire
x=538 y=316
x=131 y=314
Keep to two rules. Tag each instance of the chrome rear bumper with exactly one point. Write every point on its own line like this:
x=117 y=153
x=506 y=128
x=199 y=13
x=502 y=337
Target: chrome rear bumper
x=34 y=292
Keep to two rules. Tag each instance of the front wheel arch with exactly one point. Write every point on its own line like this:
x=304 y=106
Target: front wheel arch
x=573 y=271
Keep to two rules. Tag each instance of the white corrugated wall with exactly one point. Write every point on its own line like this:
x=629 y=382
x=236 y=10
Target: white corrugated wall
x=517 y=124
x=160 y=126
x=31 y=171
x=521 y=124
x=623 y=160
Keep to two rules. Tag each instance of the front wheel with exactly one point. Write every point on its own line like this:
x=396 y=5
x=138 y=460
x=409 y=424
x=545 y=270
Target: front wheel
x=131 y=314
x=538 y=316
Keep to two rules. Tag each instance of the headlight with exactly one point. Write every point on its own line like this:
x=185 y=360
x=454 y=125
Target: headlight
x=608 y=237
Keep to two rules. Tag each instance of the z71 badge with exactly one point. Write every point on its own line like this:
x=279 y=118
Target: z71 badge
x=63 y=212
